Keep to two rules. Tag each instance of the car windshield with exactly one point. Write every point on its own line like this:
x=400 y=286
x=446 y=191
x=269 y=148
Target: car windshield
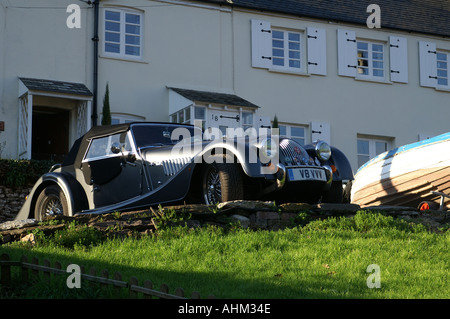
x=163 y=134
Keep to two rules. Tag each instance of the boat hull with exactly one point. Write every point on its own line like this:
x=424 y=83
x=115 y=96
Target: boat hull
x=405 y=176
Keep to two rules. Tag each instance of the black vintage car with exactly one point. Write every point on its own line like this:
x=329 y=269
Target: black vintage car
x=137 y=165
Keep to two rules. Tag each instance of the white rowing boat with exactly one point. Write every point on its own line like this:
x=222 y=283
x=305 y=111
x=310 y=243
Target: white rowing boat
x=405 y=176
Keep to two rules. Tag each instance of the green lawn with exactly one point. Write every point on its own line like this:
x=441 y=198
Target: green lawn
x=324 y=259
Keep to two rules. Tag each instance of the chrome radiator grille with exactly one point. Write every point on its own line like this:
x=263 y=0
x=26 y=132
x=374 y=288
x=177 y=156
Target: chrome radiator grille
x=172 y=166
x=294 y=154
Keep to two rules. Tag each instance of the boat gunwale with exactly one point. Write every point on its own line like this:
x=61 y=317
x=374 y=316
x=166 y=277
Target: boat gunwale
x=403 y=149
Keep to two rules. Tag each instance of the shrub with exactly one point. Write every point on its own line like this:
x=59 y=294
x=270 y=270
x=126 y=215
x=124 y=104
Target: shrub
x=74 y=235
x=365 y=222
x=22 y=173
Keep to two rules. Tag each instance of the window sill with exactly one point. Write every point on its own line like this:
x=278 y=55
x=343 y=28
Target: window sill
x=382 y=81
x=291 y=72
x=120 y=58
x=443 y=89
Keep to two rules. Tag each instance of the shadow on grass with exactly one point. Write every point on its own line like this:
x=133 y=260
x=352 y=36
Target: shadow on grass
x=220 y=285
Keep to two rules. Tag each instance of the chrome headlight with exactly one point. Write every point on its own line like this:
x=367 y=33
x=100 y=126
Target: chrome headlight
x=323 y=151
x=267 y=148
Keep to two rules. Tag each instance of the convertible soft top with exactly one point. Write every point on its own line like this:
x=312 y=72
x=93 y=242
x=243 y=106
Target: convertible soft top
x=104 y=130
x=74 y=157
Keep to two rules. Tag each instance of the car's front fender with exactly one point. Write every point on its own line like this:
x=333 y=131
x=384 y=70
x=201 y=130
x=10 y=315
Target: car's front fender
x=342 y=164
x=75 y=196
x=245 y=154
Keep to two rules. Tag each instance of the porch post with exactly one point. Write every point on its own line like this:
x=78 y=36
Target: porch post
x=25 y=125
x=29 y=124
x=83 y=119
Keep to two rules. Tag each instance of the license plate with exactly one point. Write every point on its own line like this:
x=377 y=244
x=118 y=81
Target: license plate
x=306 y=174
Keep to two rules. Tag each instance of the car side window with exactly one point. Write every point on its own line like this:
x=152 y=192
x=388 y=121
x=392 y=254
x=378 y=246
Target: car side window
x=101 y=147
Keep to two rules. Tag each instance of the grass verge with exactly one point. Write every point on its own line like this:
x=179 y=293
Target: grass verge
x=323 y=259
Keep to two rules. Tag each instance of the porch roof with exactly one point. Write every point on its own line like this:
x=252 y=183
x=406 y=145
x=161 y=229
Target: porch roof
x=56 y=86
x=213 y=97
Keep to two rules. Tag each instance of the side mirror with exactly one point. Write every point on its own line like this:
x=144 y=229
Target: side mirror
x=115 y=148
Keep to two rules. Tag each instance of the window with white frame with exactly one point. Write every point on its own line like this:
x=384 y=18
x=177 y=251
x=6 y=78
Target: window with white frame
x=123 y=33
x=370 y=59
x=200 y=115
x=442 y=59
x=247 y=120
x=292 y=51
x=286 y=50
x=297 y=133
x=433 y=63
x=119 y=118
x=182 y=116
x=368 y=148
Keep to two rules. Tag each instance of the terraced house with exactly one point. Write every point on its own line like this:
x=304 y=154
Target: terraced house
x=325 y=69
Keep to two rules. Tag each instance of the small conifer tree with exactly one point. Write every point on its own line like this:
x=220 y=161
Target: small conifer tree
x=106 y=118
x=275 y=122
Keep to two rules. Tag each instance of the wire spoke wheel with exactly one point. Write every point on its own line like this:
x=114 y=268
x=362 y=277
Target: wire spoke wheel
x=53 y=206
x=51 y=202
x=221 y=181
x=212 y=188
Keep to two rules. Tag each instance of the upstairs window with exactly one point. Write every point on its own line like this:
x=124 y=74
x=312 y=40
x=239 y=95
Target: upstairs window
x=433 y=66
x=290 y=51
x=286 y=50
x=370 y=59
x=442 y=68
x=123 y=33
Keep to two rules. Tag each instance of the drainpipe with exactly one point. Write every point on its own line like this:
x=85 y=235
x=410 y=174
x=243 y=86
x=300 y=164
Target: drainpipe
x=95 y=76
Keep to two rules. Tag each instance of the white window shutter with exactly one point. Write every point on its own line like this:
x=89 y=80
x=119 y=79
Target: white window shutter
x=398 y=52
x=262 y=121
x=428 y=64
x=321 y=131
x=261 y=44
x=347 y=62
x=317 y=51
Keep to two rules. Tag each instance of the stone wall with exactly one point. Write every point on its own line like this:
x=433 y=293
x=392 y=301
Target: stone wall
x=11 y=200
x=246 y=214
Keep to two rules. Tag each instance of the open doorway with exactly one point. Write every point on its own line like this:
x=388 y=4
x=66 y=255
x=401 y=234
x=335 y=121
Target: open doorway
x=50 y=133
x=52 y=115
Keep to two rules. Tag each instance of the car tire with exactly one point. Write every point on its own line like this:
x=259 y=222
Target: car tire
x=221 y=181
x=335 y=194
x=51 y=202
x=347 y=195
